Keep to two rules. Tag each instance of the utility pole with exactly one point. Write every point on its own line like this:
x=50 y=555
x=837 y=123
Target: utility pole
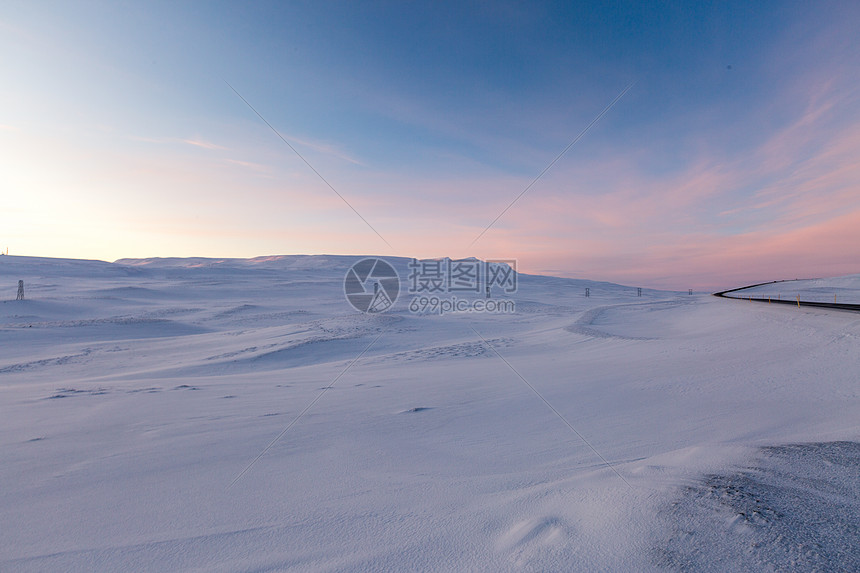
x=20 y=291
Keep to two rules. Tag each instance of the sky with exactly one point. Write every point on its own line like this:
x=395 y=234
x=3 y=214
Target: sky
x=128 y=129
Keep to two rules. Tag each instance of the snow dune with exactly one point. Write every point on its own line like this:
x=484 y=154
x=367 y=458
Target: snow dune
x=135 y=393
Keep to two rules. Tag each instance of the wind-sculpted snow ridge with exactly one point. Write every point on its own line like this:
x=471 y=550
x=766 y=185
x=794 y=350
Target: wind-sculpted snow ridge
x=795 y=508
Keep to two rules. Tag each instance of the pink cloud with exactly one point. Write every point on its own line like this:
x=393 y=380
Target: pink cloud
x=829 y=248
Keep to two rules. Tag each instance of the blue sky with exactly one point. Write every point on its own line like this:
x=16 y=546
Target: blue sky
x=733 y=157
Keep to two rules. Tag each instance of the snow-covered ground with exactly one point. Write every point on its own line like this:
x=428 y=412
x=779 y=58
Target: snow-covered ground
x=613 y=433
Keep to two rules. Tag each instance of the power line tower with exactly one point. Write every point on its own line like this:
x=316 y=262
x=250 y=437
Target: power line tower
x=20 y=291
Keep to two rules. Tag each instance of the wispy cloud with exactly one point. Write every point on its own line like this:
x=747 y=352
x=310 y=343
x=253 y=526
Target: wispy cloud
x=727 y=216
x=195 y=141
x=201 y=143
x=325 y=148
x=249 y=165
